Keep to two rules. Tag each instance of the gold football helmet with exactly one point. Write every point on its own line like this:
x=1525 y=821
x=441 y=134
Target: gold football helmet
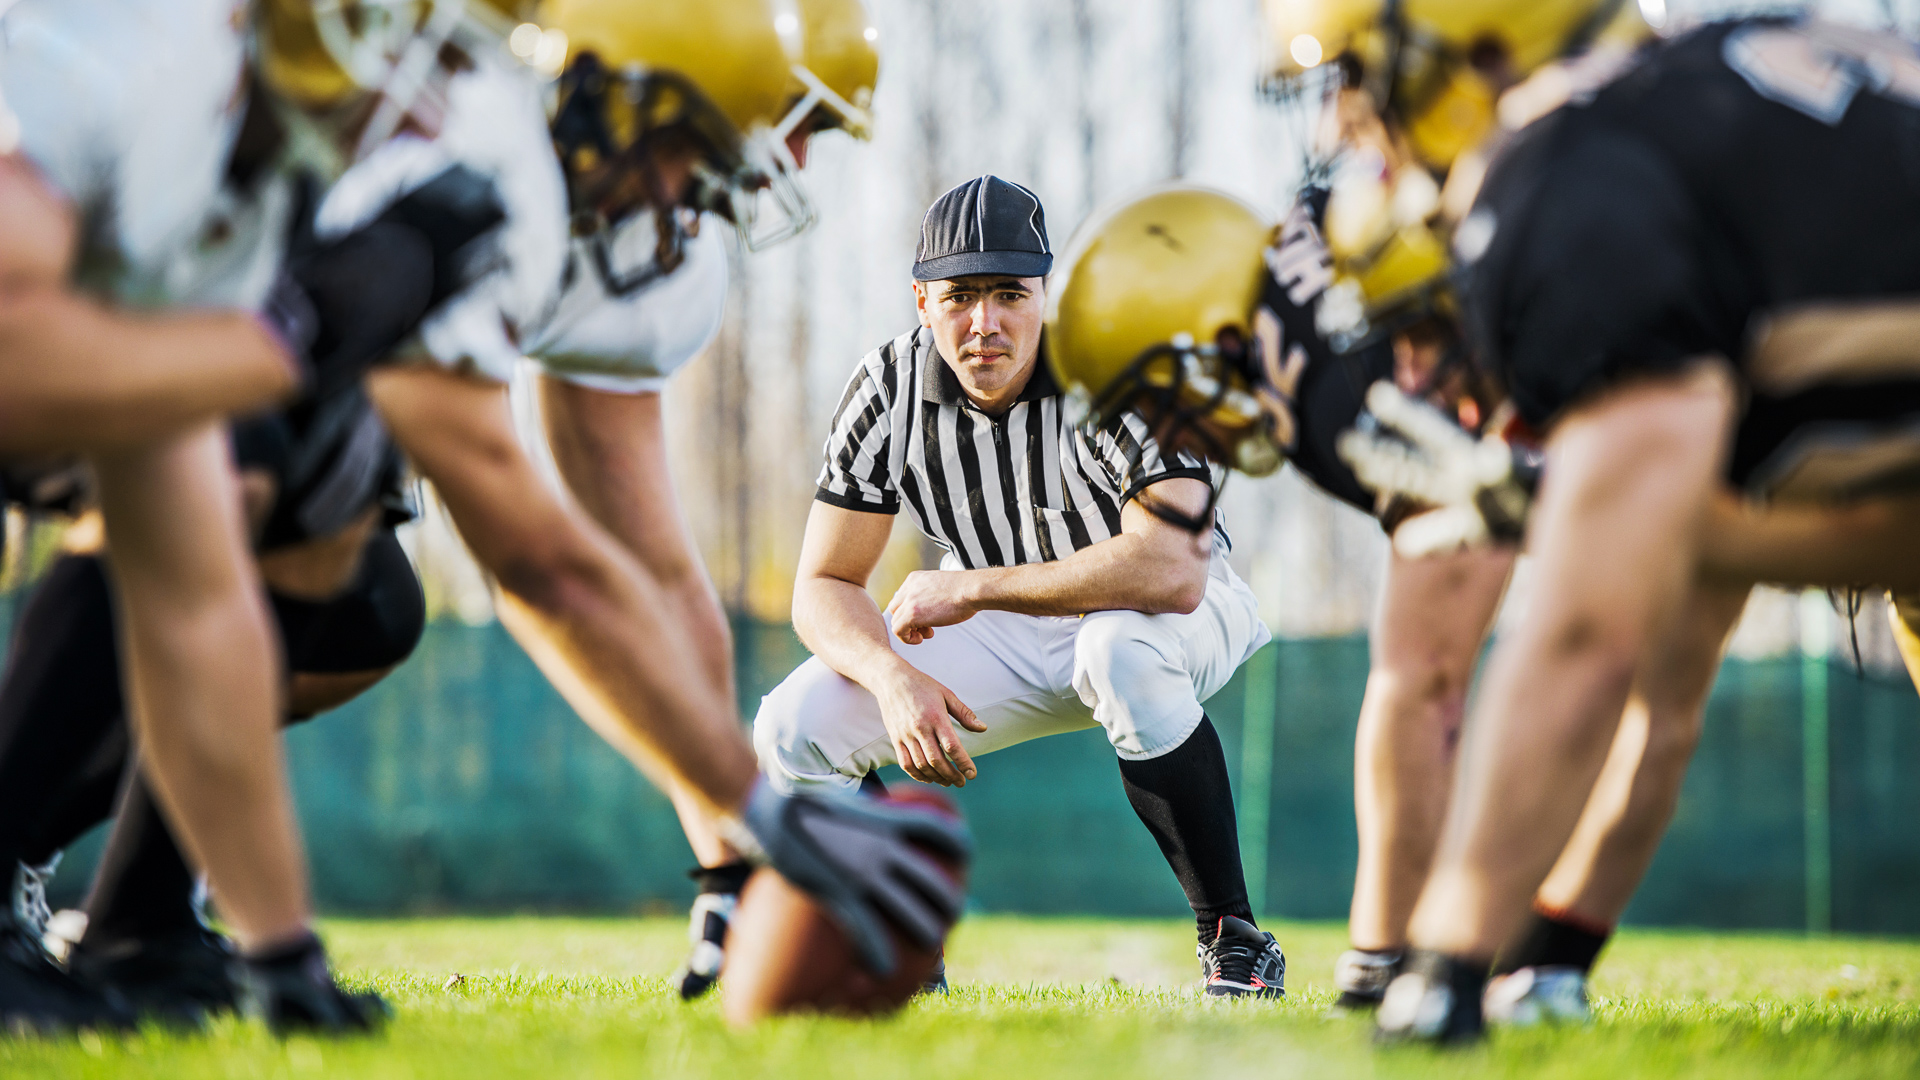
x=718 y=72
x=322 y=54
x=832 y=88
x=1153 y=309
x=1434 y=69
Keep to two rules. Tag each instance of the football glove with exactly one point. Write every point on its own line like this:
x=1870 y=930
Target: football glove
x=1481 y=489
x=870 y=864
x=343 y=305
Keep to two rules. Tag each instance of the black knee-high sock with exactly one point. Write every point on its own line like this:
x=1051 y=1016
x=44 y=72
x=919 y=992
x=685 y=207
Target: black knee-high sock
x=1184 y=800
x=61 y=734
x=144 y=887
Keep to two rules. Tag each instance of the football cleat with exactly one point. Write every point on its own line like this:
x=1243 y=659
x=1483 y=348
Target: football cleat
x=293 y=990
x=708 y=932
x=36 y=996
x=1437 y=1001
x=1538 y=995
x=1362 y=975
x=1243 y=961
x=181 y=977
x=871 y=865
x=31 y=912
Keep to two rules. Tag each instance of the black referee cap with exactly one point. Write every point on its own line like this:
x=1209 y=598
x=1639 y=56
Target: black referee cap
x=984 y=226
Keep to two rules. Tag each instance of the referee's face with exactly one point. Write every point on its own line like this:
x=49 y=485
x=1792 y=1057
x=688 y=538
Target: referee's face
x=988 y=331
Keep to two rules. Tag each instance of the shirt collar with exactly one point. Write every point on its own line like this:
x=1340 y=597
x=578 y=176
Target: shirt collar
x=939 y=385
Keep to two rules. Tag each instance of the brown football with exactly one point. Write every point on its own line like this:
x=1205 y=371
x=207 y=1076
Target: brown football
x=786 y=955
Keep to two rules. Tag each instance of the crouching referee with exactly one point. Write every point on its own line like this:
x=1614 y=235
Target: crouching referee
x=1062 y=602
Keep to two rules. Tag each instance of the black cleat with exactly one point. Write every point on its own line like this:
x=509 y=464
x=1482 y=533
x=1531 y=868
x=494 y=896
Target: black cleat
x=712 y=912
x=293 y=990
x=1437 y=1001
x=1362 y=975
x=36 y=996
x=181 y=977
x=1243 y=961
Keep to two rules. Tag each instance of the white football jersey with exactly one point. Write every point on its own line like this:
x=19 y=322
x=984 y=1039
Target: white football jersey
x=129 y=109
x=494 y=125
x=634 y=343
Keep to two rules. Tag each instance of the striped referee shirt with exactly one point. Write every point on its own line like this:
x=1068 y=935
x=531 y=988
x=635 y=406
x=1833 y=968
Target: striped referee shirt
x=1023 y=487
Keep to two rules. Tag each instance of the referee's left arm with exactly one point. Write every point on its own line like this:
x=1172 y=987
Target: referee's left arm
x=1152 y=566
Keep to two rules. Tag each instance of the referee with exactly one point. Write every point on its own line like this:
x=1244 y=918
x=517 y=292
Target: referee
x=1061 y=603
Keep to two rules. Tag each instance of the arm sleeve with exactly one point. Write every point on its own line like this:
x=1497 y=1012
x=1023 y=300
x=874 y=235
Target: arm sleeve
x=1133 y=461
x=859 y=446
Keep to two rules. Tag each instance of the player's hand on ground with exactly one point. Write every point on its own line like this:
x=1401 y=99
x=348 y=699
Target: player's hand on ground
x=868 y=862
x=920 y=714
x=929 y=598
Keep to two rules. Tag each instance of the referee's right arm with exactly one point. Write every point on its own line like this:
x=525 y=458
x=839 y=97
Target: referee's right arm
x=836 y=618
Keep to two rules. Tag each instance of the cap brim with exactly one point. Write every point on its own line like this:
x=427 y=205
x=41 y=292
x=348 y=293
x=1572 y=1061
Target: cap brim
x=971 y=263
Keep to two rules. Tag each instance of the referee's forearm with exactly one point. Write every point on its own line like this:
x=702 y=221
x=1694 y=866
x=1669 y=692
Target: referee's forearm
x=1126 y=573
x=839 y=623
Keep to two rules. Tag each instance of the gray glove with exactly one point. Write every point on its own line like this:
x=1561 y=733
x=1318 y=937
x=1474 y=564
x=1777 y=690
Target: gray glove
x=866 y=861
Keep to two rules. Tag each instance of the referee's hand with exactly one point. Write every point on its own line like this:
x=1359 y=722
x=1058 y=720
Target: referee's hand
x=920 y=713
x=926 y=599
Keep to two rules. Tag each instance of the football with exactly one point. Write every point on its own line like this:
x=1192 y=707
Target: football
x=785 y=954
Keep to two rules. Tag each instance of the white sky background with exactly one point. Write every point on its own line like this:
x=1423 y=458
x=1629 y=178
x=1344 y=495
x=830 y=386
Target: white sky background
x=1083 y=101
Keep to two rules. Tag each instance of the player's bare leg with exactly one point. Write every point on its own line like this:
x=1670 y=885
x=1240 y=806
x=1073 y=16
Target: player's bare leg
x=1616 y=538
x=612 y=452
x=202 y=677
x=590 y=616
x=1603 y=863
x=1434 y=615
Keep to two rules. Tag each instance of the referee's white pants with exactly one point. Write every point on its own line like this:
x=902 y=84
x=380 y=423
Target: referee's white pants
x=1141 y=677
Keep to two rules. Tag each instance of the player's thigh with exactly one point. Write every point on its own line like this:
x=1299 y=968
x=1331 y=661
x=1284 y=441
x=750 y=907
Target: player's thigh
x=1435 y=613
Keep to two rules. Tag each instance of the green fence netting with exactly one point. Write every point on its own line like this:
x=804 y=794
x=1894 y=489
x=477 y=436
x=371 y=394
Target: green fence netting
x=464 y=783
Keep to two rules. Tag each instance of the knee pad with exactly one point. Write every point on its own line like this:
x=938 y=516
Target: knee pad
x=374 y=624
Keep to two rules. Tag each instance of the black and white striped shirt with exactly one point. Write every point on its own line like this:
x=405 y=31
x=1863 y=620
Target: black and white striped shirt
x=1023 y=487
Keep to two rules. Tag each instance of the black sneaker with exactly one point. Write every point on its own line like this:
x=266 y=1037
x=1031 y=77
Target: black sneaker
x=181 y=977
x=707 y=930
x=1362 y=975
x=1243 y=961
x=292 y=989
x=36 y=996
x=1437 y=1001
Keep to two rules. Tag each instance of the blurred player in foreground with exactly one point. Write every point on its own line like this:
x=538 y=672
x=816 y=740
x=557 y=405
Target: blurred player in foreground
x=662 y=113
x=152 y=126
x=1679 y=358
x=1201 y=264
x=642 y=300
x=1065 y=600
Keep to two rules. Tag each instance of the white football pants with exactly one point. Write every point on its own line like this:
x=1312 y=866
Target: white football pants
x=1141 y=677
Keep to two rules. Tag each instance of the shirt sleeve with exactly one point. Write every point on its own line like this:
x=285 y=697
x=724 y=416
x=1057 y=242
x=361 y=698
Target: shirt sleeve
x=1133 y=461
x=859 y=446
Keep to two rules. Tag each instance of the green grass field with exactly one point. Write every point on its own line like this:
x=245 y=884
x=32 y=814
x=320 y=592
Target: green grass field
x=562 y=997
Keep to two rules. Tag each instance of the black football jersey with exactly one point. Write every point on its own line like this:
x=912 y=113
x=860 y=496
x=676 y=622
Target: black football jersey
x=1750 y=190
x=1333 y=386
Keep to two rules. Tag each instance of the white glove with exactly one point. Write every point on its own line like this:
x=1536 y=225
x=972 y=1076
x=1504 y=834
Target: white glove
x=1481 y=488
